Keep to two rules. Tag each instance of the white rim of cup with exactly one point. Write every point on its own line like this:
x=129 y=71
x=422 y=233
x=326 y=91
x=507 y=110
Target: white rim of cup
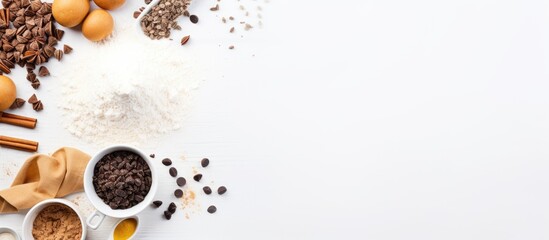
x=5 y=229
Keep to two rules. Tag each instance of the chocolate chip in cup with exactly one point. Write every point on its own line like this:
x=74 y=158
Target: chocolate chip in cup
x=122 y=179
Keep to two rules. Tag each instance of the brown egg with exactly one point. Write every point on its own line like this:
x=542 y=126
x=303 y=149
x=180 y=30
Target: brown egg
x=8 y=92
x=98 y=25
x=109 y=4
x=70 y=13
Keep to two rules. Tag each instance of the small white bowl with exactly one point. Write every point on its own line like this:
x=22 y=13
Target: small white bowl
x=34 y=211
x=102 y=208
x=111 y=237
x=9 y=230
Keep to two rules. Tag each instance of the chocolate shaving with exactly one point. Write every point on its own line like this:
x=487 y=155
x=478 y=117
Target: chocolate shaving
x=215 y=8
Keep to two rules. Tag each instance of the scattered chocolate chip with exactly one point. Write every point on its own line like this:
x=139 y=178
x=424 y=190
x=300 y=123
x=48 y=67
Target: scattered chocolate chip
x=157 y=203
x=232 y=30
x=43 y=71
x=122 y=179
x=33 y=99
x=207 y=190
x=35 y=84
x=152 y=155
x=136 y=14
x=31 y=77
x=194 y=19
x=215 y=8
x=173 y=172
x=221 y=190
x=197 y=177
x=167 y=215
x=18 y=103
x=205 y=162
x=231 y=47
x=178 y=193
x=58 y=54
x=167 y=162
x=38 y=106
x=181 y=181
x=67 y=49
x=185 y=39
x=212 y=209
x=172 y=208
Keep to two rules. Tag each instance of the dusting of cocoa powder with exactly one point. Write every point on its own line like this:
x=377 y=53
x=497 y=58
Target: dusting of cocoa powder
x=57 y=222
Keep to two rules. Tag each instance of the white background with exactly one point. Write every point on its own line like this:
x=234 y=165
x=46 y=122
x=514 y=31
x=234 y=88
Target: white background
x=353 y=119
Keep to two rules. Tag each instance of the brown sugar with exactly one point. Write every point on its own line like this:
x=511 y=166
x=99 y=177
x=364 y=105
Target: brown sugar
x=57 y=222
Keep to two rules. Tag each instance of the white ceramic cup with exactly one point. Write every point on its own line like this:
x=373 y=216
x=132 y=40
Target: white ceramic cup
x=9 y=230
x=96 y=218
x=34 y=211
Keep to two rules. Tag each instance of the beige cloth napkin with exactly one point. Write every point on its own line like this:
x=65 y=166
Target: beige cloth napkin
x=43 y=177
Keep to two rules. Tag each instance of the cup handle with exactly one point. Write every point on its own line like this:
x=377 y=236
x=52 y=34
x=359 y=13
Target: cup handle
x=94 y=215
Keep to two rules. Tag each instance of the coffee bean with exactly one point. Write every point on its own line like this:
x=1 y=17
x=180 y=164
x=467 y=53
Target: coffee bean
x=181 y=181
x=178 y=193
x=197 y=177
x=194 y=19
x=152 y=155
x=207 y=190
x=205 y=162
x=212 y=209
x=167 y=162
x=221 y=190
x=157 y=203
x=167 y=215
x=173 y=172
x=172 y=208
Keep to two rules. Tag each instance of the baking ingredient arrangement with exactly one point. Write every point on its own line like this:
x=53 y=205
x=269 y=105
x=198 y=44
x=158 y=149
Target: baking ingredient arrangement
x=146 y=93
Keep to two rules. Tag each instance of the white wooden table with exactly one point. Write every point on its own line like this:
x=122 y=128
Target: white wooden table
x=353 y=120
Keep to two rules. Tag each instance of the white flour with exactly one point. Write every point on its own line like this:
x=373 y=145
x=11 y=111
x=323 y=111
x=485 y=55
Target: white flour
x=127 y=90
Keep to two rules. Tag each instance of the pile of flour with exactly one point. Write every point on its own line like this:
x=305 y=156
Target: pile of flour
x=128 y=89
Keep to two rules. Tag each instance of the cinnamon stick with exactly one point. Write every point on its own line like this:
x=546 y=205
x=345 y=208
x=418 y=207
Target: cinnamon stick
x=19 y=144
x=17 y=120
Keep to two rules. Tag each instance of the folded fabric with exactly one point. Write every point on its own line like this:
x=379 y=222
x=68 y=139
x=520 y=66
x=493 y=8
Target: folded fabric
x=43 y=177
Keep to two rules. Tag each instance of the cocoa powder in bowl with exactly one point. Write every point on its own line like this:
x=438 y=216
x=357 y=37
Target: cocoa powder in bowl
x=122 y=179
x=55 y=222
